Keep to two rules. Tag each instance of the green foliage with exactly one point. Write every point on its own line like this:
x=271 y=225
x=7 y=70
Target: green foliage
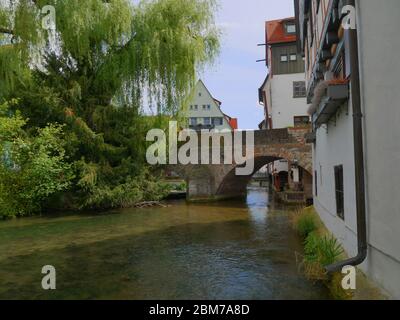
x=330 y=250
x=304 y=222
x=306 y=225
x=4 y=17
x=26 y=23
x=181 y=187
x=311 y=247
x=324 y=250
x=142 y=188
x=93 y=82
x=32 y=168
x=319 y=252
x=10 y=125
x=12 y=69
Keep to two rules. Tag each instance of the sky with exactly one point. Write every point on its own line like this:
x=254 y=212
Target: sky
x=236 y=76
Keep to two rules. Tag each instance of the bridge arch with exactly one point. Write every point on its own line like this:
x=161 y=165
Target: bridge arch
x=208 y=182
x=233 y=185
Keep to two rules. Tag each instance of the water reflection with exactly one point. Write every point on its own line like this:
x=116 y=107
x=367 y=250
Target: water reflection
x=257 y=203
x=230 y=250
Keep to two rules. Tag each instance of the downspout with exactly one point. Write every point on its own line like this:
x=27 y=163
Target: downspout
x=358 y=155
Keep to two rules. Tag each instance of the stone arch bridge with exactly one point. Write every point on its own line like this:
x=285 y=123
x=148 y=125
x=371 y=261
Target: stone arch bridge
x=216 y=182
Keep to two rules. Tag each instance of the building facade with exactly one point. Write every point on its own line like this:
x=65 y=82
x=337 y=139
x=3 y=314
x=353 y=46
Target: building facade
x=204 y=111
x=352 y=87
x=283 y=94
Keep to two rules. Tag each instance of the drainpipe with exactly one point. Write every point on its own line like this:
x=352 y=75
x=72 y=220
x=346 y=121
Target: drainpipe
x=358 y=156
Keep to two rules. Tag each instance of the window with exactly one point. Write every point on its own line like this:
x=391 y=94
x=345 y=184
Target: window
x=320 y=175
x=196 y=107
x=284 y=58
x=199 y=94
x=290 y=28
x=191 y=107
x=193 y=121
x=207 y=121
x=293 y=57
x=217 y=121
x=316 y=182
x=339 y=190
x=301 y=121
x=208 y=107
x=299 y=89
x=204 y=107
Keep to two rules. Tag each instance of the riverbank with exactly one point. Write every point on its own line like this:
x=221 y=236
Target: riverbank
x=309 y=226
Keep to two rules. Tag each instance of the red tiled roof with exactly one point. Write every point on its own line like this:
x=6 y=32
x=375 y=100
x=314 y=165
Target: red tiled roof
x=234 y=123
x=276 y=33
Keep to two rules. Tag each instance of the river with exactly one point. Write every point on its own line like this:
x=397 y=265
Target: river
x=228 y=250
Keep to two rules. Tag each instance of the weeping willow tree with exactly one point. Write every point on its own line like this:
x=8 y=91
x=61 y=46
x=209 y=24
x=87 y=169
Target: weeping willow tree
x=105 y=62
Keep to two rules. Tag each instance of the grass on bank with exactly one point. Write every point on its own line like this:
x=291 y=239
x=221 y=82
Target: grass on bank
x=320 y=249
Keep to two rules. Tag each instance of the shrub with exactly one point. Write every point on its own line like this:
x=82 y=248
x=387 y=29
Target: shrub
x=180 y=187
x=144 y=187
x=329 y=250
x=32 y=168
x=311 y=248
x=105 y=197
x=304 y=223
x=318 y=253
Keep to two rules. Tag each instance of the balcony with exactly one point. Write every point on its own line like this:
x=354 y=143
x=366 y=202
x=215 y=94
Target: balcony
x=337 y=93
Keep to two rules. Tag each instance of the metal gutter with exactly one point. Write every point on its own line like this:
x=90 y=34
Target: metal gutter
x=358 y=155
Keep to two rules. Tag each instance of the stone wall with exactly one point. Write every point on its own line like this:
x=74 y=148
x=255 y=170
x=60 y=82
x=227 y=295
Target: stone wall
x=207 y=182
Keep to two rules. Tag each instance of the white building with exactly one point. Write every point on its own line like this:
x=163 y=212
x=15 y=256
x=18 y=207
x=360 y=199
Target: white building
x=283 y=93
x=352 y=83
x=204 y=111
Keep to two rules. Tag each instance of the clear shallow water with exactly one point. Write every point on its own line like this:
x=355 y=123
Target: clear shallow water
x=228 y=250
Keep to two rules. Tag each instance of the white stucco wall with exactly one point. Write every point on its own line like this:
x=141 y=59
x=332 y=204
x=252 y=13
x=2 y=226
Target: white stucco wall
x=201 y=96
x=379 y=40
x=267 y=98
x=379 y=44
x=283 y=106
x=335 y=147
